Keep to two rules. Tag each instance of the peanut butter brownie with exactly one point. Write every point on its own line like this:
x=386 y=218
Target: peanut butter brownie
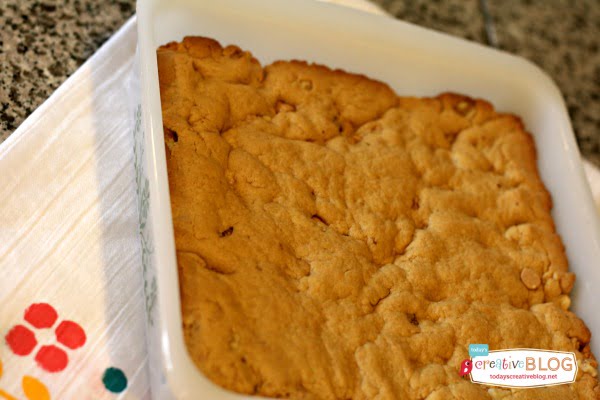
x=337 y=241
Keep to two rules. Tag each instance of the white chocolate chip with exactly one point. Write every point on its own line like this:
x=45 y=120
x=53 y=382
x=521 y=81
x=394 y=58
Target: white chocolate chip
x=566 y=282
x=530 y=279
x=306 y=84
x=284 y=107
x=464 y=107
x=564 y=301
x=552 y=289
x=589 y=369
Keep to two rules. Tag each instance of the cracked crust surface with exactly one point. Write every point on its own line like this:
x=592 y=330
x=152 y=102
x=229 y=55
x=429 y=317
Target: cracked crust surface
x=336 y=241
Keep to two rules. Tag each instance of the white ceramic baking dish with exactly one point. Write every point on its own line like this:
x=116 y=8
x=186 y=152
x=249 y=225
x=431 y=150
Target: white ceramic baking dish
x=414 y=61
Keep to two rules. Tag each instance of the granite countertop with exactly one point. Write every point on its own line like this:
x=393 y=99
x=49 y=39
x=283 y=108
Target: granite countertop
x=43 y=42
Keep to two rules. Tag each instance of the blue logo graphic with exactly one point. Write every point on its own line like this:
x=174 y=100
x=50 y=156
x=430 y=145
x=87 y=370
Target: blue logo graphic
x=478 y=350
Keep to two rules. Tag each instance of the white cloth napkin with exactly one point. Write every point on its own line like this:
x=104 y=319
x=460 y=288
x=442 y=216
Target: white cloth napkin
x=68 y=239
x=68 y=231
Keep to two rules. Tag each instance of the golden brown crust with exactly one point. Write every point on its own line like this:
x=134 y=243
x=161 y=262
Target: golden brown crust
x=335 y=241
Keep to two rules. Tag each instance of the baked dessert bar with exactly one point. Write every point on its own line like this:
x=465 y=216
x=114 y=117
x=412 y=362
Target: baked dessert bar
x=337 y=241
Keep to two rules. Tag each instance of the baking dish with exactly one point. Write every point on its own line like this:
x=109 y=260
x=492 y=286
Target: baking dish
x=413 y=61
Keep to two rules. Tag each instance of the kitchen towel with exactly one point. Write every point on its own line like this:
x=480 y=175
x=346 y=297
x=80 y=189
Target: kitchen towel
x=72 y=319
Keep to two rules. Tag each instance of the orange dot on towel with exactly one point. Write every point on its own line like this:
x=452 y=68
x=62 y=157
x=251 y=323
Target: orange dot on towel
x=34 y=389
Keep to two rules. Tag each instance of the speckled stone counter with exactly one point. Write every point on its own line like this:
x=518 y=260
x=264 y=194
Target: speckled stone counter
x=561 y=36
x=43 y=42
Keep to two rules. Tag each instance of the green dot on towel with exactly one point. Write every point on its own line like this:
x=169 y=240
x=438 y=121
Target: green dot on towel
x=114 y=380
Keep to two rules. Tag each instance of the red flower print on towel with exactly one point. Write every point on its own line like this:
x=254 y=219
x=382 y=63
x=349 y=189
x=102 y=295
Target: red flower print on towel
x=52 y=358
